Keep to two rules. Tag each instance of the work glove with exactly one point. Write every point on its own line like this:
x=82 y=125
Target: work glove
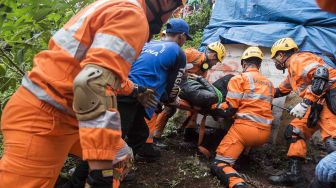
x=326 y=168
x=146 y=96
x=299 y=110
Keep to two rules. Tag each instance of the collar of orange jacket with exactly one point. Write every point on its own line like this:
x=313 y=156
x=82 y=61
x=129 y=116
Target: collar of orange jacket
x=252 y=69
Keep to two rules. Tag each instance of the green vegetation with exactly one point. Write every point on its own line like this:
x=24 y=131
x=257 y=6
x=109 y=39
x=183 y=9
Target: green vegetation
x=25 y=29
x=197 y=22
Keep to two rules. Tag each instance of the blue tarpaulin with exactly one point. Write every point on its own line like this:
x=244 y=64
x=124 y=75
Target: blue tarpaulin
x=262 y=22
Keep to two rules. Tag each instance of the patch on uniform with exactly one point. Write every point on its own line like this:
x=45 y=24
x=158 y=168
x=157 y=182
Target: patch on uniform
x=107 y=173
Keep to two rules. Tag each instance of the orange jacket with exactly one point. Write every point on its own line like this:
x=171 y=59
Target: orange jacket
x=251 y=94
x=302 y=67
x=196 y=59
x=105 y=34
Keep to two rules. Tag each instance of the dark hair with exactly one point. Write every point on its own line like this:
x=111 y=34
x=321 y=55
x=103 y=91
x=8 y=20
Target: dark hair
x=172 y=34
x=287 y=52
x=252 y=61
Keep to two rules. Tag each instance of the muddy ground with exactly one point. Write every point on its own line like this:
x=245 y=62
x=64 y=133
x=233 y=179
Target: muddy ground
x=182 y=166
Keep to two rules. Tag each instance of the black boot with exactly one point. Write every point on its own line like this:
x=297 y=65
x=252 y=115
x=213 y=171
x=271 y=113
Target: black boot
x=293 y=176
x=240 y=185
x=147 y=153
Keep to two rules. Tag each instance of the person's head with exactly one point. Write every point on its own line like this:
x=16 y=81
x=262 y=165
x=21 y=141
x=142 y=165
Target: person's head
x=215 y=52
x=251 y=57
x=177 y=31
x=281 y=50
x=159 y=11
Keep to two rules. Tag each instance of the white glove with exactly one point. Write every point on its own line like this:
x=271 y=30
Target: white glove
x=299 y=110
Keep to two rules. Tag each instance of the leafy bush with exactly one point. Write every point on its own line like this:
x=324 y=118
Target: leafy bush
x=197 y=22
x=25 y=29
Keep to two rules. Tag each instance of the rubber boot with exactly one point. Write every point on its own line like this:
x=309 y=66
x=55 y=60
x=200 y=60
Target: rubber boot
x=147 y=153
x=226 y=174
x=293 y=176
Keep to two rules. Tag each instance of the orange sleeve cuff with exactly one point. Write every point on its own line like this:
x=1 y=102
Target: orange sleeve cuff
x=126 y=88
x=222 y=106
x=213 y=106
x=311 y=96
x=100 y=143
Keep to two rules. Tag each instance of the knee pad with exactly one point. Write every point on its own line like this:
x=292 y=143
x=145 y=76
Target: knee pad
x=94 y=89
x=293 y=134
x=330 y=144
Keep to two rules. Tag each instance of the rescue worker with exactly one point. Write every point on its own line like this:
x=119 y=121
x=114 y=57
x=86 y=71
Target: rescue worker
x=85 y=66
x=308 y=76
x=197 y=63
x=249 y=100
x=160 y=67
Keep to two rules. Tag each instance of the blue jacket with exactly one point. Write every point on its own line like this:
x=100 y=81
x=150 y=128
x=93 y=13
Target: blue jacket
x=160 y=66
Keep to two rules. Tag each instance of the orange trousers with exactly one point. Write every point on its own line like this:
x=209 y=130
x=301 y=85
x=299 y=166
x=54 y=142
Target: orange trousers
x=326 y=124
x=162 y=119
x=151 y=126
x=239 y=136
x=37 y=141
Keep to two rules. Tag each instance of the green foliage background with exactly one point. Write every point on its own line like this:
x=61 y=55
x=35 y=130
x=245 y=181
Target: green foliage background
x=197 y=22
x=27 y=25
x=25 y=29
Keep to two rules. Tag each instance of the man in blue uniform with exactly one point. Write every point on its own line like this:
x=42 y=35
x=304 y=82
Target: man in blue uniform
x=160 y=67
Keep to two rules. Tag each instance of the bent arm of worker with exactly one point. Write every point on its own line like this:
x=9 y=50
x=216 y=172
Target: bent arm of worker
x=175 y=77
x=284 y=88
x=233 y=98
x=104 y=75
x=319 y=77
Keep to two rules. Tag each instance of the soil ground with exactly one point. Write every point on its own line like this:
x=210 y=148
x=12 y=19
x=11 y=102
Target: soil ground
x=182 y=166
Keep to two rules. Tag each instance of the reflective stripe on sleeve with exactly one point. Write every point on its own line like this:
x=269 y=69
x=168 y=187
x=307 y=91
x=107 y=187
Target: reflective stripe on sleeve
x=66 y=40
x=114 y=44
x=234 y=95
x=108 y=120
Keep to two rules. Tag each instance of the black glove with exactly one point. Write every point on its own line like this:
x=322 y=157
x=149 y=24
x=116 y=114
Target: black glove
x=100 y=178
x=146 y=96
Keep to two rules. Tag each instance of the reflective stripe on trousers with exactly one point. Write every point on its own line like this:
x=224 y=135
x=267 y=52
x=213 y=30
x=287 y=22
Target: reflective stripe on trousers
x=254 y=118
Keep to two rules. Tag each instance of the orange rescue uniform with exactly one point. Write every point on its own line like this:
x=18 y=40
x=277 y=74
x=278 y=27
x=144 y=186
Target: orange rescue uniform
x=302 y=67
x=38 y=123
x=251 y=94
